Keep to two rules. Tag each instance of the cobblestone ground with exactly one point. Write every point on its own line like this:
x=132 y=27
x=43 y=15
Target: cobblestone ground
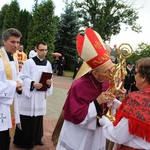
x=54 y=106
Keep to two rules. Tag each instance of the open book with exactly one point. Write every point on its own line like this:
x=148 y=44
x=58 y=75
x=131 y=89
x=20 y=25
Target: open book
x=45 y=76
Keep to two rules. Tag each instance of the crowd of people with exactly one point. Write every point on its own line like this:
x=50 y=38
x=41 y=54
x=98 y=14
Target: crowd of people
x=59 y=65
x=84 y=125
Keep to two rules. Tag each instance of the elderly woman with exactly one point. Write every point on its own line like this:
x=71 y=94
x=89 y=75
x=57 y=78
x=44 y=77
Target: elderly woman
x=131 y=129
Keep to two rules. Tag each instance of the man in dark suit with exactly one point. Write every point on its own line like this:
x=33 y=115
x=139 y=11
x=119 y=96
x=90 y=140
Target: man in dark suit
x=78 y=64
x=62 y=63
x=129 y=81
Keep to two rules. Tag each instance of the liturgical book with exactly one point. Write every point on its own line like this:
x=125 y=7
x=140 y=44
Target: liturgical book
x=45 y=76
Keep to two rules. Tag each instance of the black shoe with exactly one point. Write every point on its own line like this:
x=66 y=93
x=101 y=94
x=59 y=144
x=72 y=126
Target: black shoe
x=40 y=143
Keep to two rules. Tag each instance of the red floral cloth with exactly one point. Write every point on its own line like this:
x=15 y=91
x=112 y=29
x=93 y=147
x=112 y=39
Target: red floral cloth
x=136 y=108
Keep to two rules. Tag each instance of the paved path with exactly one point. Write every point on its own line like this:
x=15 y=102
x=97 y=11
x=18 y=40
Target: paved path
x=54 y=106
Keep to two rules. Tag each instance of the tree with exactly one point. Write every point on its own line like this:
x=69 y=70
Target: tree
x=23 y=25
x=68 y=27
x=2 y=17
x=11 y=17
x=42 y=26
x=142 y=51
x=106 y=16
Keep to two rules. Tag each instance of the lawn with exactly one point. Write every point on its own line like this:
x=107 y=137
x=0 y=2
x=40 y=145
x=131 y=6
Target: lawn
x=68 y=73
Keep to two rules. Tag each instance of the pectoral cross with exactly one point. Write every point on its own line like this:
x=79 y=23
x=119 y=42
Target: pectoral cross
x=2 y=118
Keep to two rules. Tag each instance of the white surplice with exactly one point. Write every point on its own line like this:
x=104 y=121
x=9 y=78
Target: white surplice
x=84 y=136
x=120 y=134
x=32 y=53
x=8 y=94
x=33 y=103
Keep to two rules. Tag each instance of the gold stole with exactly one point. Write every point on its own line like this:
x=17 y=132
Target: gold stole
x=8 y=73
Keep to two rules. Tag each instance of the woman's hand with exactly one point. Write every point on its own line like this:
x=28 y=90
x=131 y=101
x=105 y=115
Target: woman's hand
x=120 y=93
x=116 y=103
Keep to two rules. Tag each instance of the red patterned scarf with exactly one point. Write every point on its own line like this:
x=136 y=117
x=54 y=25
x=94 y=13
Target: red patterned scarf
x=136 y=108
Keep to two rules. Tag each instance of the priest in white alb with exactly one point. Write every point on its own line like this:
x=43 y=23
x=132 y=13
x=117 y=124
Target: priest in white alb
x=9 y=86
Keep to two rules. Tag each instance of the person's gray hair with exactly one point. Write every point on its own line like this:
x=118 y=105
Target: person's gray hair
x=11 y=32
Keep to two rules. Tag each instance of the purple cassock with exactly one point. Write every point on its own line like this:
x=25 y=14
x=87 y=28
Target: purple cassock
x=82 y=92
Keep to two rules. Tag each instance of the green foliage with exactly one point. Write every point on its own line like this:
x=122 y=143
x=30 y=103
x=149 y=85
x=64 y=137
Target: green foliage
x=2 y=17
x=23 y=26
x=42 y=27
x=142 y=51
x=133 y=58
x=68 y=73
x=65 y=43
x=11 y=17
x=106 y=16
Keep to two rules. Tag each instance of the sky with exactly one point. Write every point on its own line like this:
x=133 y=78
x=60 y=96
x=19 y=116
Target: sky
x=125 y=35
x=128 y=36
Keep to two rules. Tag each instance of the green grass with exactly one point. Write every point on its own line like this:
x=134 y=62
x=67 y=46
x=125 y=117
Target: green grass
x=68 y=73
